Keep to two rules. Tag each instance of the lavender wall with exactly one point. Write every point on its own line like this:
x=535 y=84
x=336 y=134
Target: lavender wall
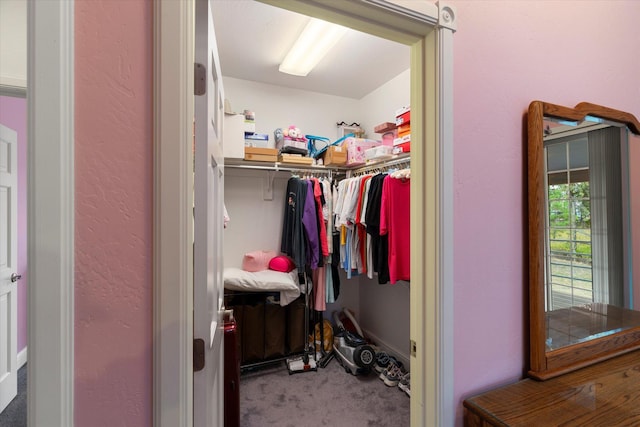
x=13 y=114
x=113 y=237
x=508 y=54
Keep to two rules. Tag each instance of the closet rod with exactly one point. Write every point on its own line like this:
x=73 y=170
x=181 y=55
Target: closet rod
x=400 y=159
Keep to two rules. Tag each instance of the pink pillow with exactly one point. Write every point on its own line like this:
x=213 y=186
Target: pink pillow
x=257 y=260
x=282 y=263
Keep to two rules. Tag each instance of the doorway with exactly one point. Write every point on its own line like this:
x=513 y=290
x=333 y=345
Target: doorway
x=429 y=32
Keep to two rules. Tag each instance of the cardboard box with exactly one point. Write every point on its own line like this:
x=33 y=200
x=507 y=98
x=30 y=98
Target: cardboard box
x=384 y=127
x=258 y=154
x=335 y=155
x=295 y=158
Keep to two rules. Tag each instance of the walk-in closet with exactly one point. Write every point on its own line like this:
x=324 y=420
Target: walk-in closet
x=256 y=198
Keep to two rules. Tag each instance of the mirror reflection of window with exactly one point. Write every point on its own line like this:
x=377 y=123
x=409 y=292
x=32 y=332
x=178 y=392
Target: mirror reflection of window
x=585 y=259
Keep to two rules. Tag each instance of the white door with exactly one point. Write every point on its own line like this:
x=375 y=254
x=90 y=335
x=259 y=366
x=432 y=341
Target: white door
x=208 y=289
x=8 y=265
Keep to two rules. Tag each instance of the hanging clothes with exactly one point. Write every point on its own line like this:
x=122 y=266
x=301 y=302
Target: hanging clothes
x=293 y=242
x=395 y=222
x=379 y=244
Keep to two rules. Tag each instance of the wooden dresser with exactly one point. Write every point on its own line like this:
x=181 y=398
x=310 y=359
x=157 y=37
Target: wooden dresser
x=606 y=394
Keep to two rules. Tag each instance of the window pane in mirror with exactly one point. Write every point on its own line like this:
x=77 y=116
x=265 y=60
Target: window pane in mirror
x=558 y=213
x=556 y=157
x=579 y=153
x=559 y=191
x=557 y=178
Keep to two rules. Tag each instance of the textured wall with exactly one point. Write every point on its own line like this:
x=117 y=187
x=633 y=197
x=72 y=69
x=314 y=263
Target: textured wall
x=113 y=246
x=13 y=114
x=508 y=54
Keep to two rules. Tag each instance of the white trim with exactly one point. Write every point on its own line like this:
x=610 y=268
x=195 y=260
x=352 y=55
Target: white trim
x=173 y=214
x=50 y=28
x=446 y=405
x=15 y=91
x=22 y=357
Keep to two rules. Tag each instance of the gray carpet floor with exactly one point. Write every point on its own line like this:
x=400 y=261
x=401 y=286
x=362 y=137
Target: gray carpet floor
x=328 y=397
x=15 y=414
x=272 y=397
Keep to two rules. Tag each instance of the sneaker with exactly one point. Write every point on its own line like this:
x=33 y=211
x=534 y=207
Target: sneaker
x=394 y=375
x=382 y=361
x=405 y=384
x=392 y=362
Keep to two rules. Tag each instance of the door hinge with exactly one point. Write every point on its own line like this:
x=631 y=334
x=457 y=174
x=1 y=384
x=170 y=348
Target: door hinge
x=413 y=347
x=198 y=354
x=199 y=79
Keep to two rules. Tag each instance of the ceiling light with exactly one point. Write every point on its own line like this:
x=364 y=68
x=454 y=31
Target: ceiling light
x=317 y=38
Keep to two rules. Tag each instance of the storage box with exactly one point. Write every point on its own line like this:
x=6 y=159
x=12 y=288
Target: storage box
x=402 y=148
x=293 y=146
x=233 y=138
x=258 y=154
x=403 y=116
x=295 y=158
x=402 y=140
x=335 y=155
x=404 y=130
x=384 y=127
x=378 y=153
x=256 y=140
x=388 y=137
x=356 y=148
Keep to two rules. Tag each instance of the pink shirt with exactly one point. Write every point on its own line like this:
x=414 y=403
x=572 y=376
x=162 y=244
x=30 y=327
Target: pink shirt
x=394 y=221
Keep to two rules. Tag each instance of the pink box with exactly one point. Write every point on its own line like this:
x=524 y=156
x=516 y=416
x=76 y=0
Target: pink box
x=356 y=148
x=388 y=137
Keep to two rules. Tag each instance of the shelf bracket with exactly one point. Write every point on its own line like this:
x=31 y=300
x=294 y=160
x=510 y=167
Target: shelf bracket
x=267 y=185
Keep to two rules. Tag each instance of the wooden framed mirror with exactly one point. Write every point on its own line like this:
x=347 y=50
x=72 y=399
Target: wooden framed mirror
x=584 y=208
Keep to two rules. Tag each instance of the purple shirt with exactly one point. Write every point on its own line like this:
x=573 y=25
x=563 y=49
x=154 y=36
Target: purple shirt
x=310 y=222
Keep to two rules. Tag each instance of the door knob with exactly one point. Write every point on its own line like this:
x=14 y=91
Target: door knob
x=15 y=277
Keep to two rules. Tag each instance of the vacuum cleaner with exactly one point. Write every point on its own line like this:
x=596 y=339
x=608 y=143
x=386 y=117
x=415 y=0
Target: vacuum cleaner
x=350 y=348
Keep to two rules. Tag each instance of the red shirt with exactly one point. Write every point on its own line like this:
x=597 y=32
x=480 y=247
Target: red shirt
x=395 y=221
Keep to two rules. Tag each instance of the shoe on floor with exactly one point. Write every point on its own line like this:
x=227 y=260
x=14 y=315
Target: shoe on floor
x=392 y=362
x=405 y=384
x=382 y=361
x=393 y=374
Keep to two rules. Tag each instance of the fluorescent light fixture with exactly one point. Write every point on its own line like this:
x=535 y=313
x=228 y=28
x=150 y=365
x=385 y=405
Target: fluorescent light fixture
x=317 y=38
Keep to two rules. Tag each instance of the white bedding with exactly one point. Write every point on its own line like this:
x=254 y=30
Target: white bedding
x=263 y=281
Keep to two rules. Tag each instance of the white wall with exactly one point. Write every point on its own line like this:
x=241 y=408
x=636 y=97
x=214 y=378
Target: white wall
x=380 y=105
x=13 y=43
x=279 y=107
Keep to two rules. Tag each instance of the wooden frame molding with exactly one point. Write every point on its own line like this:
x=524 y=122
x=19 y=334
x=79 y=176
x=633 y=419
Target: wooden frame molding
x=548 y=364
x=51 y=188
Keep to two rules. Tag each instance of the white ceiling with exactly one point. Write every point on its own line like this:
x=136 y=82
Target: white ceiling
x=253 y=38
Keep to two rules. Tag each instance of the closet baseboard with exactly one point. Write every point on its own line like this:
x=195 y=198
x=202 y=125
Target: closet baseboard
x=22 y=357
x=403 y=357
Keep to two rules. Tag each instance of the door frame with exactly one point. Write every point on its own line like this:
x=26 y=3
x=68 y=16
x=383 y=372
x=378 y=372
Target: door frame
x=431 y=39
x=50 y=212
